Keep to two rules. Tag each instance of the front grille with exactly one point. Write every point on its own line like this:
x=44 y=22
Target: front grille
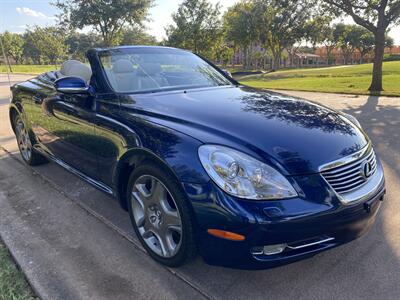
x=350 y=176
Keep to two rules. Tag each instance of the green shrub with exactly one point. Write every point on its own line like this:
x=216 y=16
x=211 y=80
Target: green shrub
x=391 y=57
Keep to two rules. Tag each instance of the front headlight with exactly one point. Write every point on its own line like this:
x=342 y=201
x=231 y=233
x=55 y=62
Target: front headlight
x=242 y=176
x=353 y=120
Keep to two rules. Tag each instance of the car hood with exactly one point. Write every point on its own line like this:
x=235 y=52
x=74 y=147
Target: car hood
x=297 y=134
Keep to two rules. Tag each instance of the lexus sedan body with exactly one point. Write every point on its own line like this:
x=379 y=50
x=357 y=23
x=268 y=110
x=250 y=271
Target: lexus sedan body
x=246 y=178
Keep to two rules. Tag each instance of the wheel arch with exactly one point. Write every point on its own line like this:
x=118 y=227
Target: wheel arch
x=127 y=164
x=14 y=110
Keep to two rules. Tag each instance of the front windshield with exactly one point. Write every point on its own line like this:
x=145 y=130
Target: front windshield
x=146 y=69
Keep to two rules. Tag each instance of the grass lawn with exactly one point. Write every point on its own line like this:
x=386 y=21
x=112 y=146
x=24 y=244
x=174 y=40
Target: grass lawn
x=343 y=79
x=13 y=285
x=29 y=69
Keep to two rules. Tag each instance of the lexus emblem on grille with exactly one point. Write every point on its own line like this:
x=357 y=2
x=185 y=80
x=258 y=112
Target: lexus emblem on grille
x=366 y=169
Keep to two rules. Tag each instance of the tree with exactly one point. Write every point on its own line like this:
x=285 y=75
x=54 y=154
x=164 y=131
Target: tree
x=196 y=26
x=339 y=35
x=389 y=42
x=348 y=37
x=223 y=54
x=240 y=29
x=13 y=45
x=46 y=43
x=329 y=43
x=78 y=43
x=137 y=36
x=364 y=41
x=281 y=24
x=31 y=53
x=107 y=17
x=317 y=30
x=376 y=16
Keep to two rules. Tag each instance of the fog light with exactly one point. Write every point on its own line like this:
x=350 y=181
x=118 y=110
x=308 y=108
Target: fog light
x=274 y=249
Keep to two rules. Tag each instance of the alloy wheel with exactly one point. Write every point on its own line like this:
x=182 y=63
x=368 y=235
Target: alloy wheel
x=156 y=216
x=24 y=142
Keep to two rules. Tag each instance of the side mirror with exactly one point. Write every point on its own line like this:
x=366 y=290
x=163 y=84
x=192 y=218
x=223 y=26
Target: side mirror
x=72 y=85
x=227 y=73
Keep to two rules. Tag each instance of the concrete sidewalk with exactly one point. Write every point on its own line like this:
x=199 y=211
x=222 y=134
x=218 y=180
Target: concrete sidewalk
x=67 y=253
x=73 y=241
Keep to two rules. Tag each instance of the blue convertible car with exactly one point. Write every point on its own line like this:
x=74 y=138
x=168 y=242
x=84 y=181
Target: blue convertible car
x=244 y=177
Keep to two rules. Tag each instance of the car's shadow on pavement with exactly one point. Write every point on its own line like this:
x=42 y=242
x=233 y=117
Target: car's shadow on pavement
x=382 y=123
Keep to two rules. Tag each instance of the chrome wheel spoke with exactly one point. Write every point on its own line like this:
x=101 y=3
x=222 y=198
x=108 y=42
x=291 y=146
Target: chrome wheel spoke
x=173 y=221
x=164 y=243
x=171 y=215
x=158 y=192
x=23 y=140
x=156 y=216
x=147 y=233
x=138 y=209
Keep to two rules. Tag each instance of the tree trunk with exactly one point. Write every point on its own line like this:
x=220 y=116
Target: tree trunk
x=376 y=84
x=276 y=60
x=328 y=54
x=245 y=58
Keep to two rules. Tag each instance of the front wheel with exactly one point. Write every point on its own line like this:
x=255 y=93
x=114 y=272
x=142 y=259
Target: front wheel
x=25 y=144
x=160 y=216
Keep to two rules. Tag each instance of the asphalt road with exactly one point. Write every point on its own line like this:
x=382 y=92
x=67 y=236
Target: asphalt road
x=62 y=230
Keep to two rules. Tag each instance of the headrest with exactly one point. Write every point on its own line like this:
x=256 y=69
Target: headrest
x=76 y=68
x=67 y=64
x=123 y=66
x=149 y=69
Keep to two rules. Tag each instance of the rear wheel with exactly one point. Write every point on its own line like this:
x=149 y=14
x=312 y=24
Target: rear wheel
x=30 y=156
x=160 y=216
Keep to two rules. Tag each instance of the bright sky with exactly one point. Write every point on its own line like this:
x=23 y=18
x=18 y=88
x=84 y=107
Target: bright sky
x=16 y=15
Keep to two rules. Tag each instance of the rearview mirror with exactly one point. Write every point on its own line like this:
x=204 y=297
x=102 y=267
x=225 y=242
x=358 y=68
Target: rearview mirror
x=71 y=85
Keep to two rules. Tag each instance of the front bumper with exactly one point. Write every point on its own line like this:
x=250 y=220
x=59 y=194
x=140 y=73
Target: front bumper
x=316 y=215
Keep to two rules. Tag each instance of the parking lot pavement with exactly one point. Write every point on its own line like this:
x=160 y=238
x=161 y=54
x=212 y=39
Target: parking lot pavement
x=61 y=212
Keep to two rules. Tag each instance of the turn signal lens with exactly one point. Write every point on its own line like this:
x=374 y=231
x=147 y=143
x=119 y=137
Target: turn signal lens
x=226 y=235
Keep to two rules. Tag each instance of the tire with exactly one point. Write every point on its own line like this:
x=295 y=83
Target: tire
x=155 y=221
x=25 y=145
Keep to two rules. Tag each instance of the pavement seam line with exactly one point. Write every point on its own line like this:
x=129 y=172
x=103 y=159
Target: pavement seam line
x=109 y=224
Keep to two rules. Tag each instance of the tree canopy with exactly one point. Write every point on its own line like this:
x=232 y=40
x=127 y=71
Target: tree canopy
x=107 y=17
x=240 y=28
x=13 y=44
x=45 y=43
x=281 y=23
x=196 y=27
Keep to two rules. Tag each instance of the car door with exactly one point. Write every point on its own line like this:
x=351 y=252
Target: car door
x=64 y=126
